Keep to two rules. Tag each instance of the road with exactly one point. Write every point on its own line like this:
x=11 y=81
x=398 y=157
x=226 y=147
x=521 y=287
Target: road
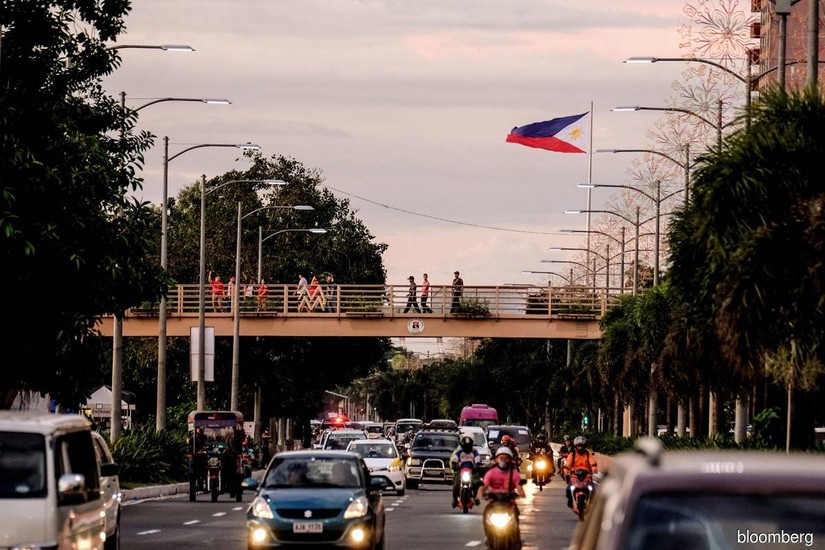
x=423 y=519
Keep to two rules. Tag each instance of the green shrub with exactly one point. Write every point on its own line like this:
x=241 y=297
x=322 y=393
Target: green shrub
x=148 y=456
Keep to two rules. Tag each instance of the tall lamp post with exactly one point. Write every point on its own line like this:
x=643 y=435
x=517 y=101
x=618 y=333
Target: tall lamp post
x=201 y=390
x=160 y=411
x=236 y=318
x=164 y=47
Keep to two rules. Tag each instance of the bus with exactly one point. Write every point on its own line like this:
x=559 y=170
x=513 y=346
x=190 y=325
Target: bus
x=478 y=414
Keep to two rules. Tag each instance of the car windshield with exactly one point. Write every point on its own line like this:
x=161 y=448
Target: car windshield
x=22 y=465
x=727 y=521
x=436 y=442
x=402 y=427
x=521 y=435
x=478 y=439
x=316 y=471
x=338 y=441
x=374 y=450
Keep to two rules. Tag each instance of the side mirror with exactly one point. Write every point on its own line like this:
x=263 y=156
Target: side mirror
x=110 y=469
x=522 y=482
x=71 y=489
x=250 y=483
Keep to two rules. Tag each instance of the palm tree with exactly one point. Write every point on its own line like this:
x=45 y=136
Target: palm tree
x=747 y=253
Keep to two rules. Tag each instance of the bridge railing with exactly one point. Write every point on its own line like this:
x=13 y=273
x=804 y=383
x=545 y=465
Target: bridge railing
x=376 y=300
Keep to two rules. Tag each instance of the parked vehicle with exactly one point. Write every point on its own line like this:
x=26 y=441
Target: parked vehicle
x=50 y=490
x=478 y=414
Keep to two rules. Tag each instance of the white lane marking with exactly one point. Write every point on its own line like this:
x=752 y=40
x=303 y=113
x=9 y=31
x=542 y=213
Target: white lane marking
x=218 y=514
x=389 y=509
x=149 y=532
x=236 y=508
x=473 y=543
x=192 y=522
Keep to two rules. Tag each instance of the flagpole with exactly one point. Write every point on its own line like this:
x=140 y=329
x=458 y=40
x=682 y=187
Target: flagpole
x=589 y=191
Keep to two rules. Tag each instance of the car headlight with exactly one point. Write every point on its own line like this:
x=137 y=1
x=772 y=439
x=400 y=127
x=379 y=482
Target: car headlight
x=357 y=508
x=414 y=461
x=260 y=508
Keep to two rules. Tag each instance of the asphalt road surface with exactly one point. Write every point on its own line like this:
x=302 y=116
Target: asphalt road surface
x=423 y=519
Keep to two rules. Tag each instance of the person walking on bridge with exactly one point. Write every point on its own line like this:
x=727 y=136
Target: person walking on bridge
x=425 y=295
x=412 y=301
x=458 y=290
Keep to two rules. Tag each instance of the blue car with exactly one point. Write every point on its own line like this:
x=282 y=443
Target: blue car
x=317 y=498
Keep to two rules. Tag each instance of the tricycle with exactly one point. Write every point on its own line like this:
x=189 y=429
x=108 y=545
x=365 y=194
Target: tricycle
x=216 y=454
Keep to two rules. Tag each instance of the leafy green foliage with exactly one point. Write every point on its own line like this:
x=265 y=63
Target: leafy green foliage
x=147 y=456
x=72 y=240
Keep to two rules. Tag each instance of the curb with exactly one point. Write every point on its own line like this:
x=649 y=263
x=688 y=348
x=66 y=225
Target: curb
x=161 y=491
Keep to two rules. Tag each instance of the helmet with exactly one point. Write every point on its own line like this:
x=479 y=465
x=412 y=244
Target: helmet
x=467 y=444
x=567 y=438
x=580 y=440
x=541 y=438
x=505 y=439
x=504 y=450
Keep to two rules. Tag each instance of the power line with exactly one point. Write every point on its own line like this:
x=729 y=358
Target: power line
x=456 y=222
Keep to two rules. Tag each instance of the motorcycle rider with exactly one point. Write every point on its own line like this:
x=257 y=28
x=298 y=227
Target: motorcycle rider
x=501 y=478
x=466 y=456
x=511 y=444
x=565 y=450
x=580 y=458
x=541 y=445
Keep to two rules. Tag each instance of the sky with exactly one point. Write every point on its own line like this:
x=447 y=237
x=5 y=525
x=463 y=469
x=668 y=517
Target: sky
x=405 y=105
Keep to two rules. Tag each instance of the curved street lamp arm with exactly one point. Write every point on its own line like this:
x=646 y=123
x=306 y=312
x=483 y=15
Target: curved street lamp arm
x=194 y=99
x=661 y=154
x=622 y=216
x=573 y=248
x=669 y=109
x=719 y=66
x=176 y=155
x=595 y=185
x=297 y=230
x=298 y=207
x=164 y=47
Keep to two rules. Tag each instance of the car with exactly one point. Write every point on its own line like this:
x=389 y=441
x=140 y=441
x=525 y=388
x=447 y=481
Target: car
x=373 y=429
x=339 y=439
x=651 y=498
x=429 y=455
x=403 y=425
x=315 y=498
x=479 y=436
x=442 y=423
x=110 y=489
x=50 y=491
x=521 y=435
x=383 y=460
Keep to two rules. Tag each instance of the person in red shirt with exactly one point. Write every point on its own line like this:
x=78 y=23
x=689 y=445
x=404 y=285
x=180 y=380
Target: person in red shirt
x=217 y=293
x=263 y=293
x=503 y=477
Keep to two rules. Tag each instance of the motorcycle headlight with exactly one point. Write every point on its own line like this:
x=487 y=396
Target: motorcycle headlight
x=466 y=476
x=357 y=508
x=499 y=520
x=260 y=508
x=541 y=464
x=214 y=462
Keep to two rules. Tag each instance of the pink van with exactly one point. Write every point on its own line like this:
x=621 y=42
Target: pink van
x=478 y=414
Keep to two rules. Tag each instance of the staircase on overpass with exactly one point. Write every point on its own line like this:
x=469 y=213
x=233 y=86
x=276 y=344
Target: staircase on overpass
x=512 y=311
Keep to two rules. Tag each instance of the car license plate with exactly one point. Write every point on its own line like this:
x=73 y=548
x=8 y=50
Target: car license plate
x=308 y=527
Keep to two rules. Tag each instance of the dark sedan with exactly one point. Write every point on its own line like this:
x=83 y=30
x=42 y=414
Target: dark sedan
x=317 y=498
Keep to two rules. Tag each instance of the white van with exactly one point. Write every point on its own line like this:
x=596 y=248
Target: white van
x=49 y=483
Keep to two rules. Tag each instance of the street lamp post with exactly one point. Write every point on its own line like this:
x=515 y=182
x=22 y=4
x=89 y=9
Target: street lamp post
x=569 y=280
x=622 y=242
x=605 y=257
x=236 y=318
x=201 y=391
x=164 y=47
x=718 y=125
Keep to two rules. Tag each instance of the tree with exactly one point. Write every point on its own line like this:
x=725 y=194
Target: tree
x=747 y=253
x=72 y=240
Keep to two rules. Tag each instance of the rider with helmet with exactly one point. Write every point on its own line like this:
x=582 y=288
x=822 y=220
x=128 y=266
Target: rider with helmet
x=580 y=458
x=510 y=443
x=503 y=477
x=466 y=456
x=564 y=450
x=539 y=446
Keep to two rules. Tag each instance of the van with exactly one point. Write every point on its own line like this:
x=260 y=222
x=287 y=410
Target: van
x=50 y=494
x=478 y=414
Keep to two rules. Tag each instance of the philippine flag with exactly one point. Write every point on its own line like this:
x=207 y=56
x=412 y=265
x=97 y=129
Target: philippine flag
x=565 y=135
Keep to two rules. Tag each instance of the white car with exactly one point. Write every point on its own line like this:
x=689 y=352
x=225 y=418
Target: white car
x=109 y=490
x=383 y=460
x=479 y=444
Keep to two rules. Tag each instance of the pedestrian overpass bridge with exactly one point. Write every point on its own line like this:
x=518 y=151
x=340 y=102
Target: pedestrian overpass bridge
x=511 y=311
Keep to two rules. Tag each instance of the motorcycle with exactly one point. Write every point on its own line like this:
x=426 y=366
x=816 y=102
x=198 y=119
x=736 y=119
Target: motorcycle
x=581 y=489
x=560 y=463
x=215 y=483
x=538 y=469
x=466 y=495
x=501 y=522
